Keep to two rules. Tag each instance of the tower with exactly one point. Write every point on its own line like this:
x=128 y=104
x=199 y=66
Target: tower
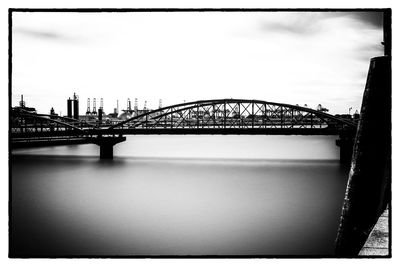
x=69 y=107
x=129 y=108
x=76 y=107
x=88 y=107
x=135 y=107
x=101 y=104
x=116 y=109
x=101 y=110
x=22 y=102
x=94 y=112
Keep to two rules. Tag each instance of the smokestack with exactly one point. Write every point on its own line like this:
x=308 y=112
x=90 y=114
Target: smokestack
x=69 y=108
x=100 y=111
x=22 y=102
x=76 y=107
x=100 y=115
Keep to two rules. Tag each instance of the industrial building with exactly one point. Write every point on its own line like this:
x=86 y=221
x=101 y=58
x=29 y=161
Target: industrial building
x=23 y=107
x=73 y=107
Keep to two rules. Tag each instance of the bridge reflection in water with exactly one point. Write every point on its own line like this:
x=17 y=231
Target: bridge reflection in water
x=218 y=116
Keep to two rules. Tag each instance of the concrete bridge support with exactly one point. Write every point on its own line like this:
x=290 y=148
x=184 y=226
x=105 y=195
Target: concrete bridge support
x=346 y=144
x=107 y=145
x=368 y=189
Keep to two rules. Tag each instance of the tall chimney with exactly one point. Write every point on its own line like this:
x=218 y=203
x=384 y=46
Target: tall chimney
x=76 y=107
x=22 y=102
x=69 y=108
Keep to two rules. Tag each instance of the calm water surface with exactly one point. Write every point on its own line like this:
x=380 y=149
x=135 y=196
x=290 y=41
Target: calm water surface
x=179 y=195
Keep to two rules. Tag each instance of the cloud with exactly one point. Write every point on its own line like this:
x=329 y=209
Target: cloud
x=374 y=19
x=371 y=19
x=309 y=23
x=367 y=51
x=292 y=57
x=303 y=23
x=43 y=34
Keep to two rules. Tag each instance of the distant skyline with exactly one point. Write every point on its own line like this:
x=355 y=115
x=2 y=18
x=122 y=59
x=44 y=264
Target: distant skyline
x=289 y=57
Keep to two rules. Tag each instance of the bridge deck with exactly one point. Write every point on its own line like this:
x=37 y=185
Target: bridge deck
x=199 y=131
x=35 y=142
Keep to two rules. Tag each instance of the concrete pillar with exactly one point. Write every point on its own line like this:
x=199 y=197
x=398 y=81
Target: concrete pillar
x=106 y=145
x=346 y=144
x=106 y=151
x=368 y=189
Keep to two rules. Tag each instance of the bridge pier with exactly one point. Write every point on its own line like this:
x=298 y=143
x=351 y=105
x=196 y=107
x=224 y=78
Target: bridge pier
x=346 y=144
x=106 y=145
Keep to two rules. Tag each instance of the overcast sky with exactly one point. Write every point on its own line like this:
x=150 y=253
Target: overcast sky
x=288 y=57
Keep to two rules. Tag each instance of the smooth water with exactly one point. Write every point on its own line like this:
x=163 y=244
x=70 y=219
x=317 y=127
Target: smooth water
x=179 y=195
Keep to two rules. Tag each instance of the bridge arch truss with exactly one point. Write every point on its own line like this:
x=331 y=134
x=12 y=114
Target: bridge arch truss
x=234 y=114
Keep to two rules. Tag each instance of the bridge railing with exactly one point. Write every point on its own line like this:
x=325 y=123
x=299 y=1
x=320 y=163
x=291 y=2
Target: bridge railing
x=22 y=123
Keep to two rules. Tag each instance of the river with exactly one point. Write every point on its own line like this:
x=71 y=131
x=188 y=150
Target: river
x=179 y=195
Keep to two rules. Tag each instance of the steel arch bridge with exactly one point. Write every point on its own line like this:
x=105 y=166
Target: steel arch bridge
x=217 y=116
x=233 y=116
